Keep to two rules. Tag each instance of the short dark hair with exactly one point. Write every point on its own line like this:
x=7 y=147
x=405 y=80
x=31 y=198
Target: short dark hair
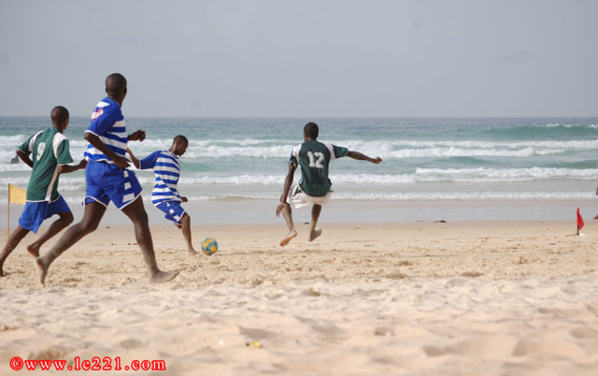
x=115 y=84
x=180 y=138
x=59 y=115
x=311 y=130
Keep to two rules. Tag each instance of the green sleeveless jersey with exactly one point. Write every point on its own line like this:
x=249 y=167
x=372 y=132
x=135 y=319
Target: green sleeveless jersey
x=47 y=149
x=314 y=157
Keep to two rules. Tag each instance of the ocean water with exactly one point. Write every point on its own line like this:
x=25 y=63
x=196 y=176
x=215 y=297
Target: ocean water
x=428 y=160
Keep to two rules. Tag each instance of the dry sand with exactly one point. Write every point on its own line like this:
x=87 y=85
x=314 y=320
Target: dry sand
x=483 y=298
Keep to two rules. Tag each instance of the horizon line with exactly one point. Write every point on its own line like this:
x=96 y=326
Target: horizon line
x=331 y=116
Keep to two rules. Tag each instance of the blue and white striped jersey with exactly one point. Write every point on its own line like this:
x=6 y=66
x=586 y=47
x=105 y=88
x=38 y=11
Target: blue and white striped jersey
x=108 y=123
x=167 y=170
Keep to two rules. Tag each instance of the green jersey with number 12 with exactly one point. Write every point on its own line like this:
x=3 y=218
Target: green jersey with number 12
x=48 y=150
x=314 y=157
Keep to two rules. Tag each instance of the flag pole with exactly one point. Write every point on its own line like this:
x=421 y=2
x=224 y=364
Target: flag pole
x=580 y=223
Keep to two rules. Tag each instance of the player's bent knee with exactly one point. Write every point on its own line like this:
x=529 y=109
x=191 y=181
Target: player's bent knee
x=67 y=217
x=87 y=227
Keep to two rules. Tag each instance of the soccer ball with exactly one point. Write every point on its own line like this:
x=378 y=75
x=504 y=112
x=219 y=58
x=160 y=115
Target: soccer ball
x=209 y=246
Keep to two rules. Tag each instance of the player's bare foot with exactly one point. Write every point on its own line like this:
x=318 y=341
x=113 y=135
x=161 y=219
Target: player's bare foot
x=33 y=250
x=314 y=234
x=193 y=252
x=161 y=277
x=288 y=238
x=42 y=270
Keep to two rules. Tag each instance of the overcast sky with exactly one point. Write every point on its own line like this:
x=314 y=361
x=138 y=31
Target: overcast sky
x=277 y=58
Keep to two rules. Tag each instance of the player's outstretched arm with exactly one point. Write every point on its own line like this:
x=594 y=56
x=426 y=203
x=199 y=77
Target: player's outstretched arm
x=362 y=157
x=134 y=159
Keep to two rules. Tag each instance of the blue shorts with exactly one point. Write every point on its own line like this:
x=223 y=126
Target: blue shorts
x=172 y=209
x=37 y=212
x=106 y=182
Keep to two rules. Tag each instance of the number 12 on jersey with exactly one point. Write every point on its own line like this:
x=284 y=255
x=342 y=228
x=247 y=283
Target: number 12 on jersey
x=316 y=159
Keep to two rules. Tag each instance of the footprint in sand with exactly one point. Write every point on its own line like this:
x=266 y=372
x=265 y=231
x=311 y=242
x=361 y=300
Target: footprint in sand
x=131 y=344
x=323 y=327
x=585 y=333
x=488 y=348
x=257 y=334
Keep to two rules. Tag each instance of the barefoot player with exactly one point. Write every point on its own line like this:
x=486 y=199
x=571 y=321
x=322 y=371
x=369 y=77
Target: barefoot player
x=47 y=152
x=314 y=187
x=108 y=179
x=165 y=195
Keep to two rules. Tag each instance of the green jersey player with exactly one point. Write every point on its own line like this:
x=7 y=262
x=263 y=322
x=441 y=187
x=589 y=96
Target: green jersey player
x=314 y=157
x=47 y=152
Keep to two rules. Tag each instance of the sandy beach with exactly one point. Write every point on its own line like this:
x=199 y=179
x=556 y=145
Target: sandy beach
x=421 y=298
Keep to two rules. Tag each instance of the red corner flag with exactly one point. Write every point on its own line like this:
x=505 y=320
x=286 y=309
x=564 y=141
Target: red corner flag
x=579 y=221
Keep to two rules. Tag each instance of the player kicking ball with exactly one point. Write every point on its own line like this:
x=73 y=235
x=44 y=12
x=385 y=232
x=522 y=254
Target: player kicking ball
x=165 y=195
x=314 y=158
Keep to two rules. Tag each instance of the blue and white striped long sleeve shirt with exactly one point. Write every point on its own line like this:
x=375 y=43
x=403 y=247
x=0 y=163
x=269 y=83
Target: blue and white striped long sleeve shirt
x=167 y=170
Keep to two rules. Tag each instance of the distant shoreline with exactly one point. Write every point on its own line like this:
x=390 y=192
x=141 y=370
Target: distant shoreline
x=240 y=212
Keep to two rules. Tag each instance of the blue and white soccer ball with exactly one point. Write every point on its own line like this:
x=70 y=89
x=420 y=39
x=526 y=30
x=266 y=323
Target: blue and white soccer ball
x=209 y=246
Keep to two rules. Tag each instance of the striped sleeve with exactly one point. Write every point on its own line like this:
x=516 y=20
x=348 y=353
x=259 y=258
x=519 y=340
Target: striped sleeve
x=149 y=161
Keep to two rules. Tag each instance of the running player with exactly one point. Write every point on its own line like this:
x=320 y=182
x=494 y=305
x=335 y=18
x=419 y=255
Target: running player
x=108 y=179
x=47 y=152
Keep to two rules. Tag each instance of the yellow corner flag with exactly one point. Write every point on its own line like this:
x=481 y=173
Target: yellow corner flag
x=16 y=195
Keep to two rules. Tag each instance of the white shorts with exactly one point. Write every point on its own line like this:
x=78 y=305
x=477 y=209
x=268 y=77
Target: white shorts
x=298 y=199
